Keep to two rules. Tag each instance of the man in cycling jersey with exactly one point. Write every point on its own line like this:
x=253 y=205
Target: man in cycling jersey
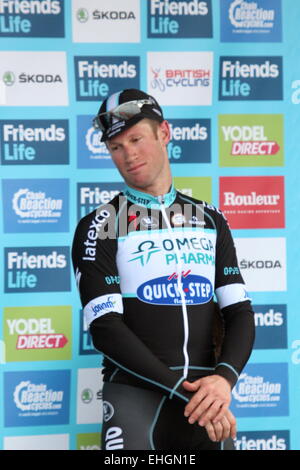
x=148 y=266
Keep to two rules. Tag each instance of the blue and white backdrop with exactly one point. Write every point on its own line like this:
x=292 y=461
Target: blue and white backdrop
x=227 y=73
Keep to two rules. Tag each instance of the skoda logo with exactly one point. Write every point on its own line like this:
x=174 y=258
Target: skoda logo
x=87 y=395
x=9 y=78
x=82 y=15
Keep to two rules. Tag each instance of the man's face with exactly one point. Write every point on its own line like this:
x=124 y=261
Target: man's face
x=140 y=154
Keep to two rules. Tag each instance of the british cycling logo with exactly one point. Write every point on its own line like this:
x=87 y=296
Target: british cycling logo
x=21 y=18
x=34 y=142
x=186 y=78
x=189 y=84
x=166 y=291
x=36 y=205
x=187 y=19
x=245 y=20
x=98 y=77
x=37 y=397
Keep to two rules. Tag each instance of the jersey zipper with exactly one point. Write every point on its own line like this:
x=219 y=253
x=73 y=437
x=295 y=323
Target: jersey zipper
x=179 y=270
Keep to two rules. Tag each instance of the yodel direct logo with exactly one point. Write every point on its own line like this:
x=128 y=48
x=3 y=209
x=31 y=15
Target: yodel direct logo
x=29 y=18
x=186 y=19
x=37 y=333
x=98 y=77
x=250 y=78
x=165 y=290
x=251 y=140
x=34 y=142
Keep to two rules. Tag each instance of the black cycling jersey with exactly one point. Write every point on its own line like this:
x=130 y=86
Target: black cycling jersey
x=148 y=271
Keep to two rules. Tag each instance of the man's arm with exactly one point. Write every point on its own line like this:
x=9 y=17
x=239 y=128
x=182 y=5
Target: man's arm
x=212 y=395
x=94 y=261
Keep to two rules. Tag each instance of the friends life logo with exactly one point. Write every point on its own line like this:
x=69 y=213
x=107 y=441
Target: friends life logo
x=271 y=326
x=262 y=390
x=190 y=141
x=250 y=78
x=251 y=21
x=262 y=440
x=188 y=19
x=34 y=142
x=92 y=195
x=97 y=77
x=42 y=19
x=35 y=205
x=37 y=269
x=35 y=398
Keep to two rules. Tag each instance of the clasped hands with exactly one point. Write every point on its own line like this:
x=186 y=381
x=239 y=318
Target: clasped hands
x=209 y=406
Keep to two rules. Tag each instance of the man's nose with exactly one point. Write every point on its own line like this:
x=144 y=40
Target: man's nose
x=129 y=153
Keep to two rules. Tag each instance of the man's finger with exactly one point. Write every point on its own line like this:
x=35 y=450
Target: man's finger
x=217 y=409
x=210 y=429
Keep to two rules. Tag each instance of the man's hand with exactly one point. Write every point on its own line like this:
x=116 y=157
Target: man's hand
x=211 y=399
x=222 y=429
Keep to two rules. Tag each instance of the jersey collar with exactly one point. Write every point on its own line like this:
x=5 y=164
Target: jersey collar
x=147 y=200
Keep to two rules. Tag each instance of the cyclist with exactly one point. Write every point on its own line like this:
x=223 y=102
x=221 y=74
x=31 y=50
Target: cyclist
x=148 y=266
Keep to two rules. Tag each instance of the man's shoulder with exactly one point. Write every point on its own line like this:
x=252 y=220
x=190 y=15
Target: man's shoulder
x=206 y=206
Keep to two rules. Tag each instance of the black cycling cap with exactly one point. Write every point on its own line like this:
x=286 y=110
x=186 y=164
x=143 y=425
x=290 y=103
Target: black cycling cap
x=124 y=109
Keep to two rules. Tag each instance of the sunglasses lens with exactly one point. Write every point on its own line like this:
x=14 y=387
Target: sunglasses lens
x=124 y=112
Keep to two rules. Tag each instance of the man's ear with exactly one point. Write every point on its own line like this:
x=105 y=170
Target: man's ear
x=165 y=132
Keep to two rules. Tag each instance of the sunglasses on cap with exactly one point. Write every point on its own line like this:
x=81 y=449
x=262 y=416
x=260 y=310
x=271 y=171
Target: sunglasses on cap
x=123 y=112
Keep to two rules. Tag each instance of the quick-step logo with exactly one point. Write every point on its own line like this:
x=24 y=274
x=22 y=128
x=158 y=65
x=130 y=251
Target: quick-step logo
x=164 y=290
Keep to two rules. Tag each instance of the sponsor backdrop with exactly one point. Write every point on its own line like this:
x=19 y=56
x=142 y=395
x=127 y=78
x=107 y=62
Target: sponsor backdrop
x=228 y=76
